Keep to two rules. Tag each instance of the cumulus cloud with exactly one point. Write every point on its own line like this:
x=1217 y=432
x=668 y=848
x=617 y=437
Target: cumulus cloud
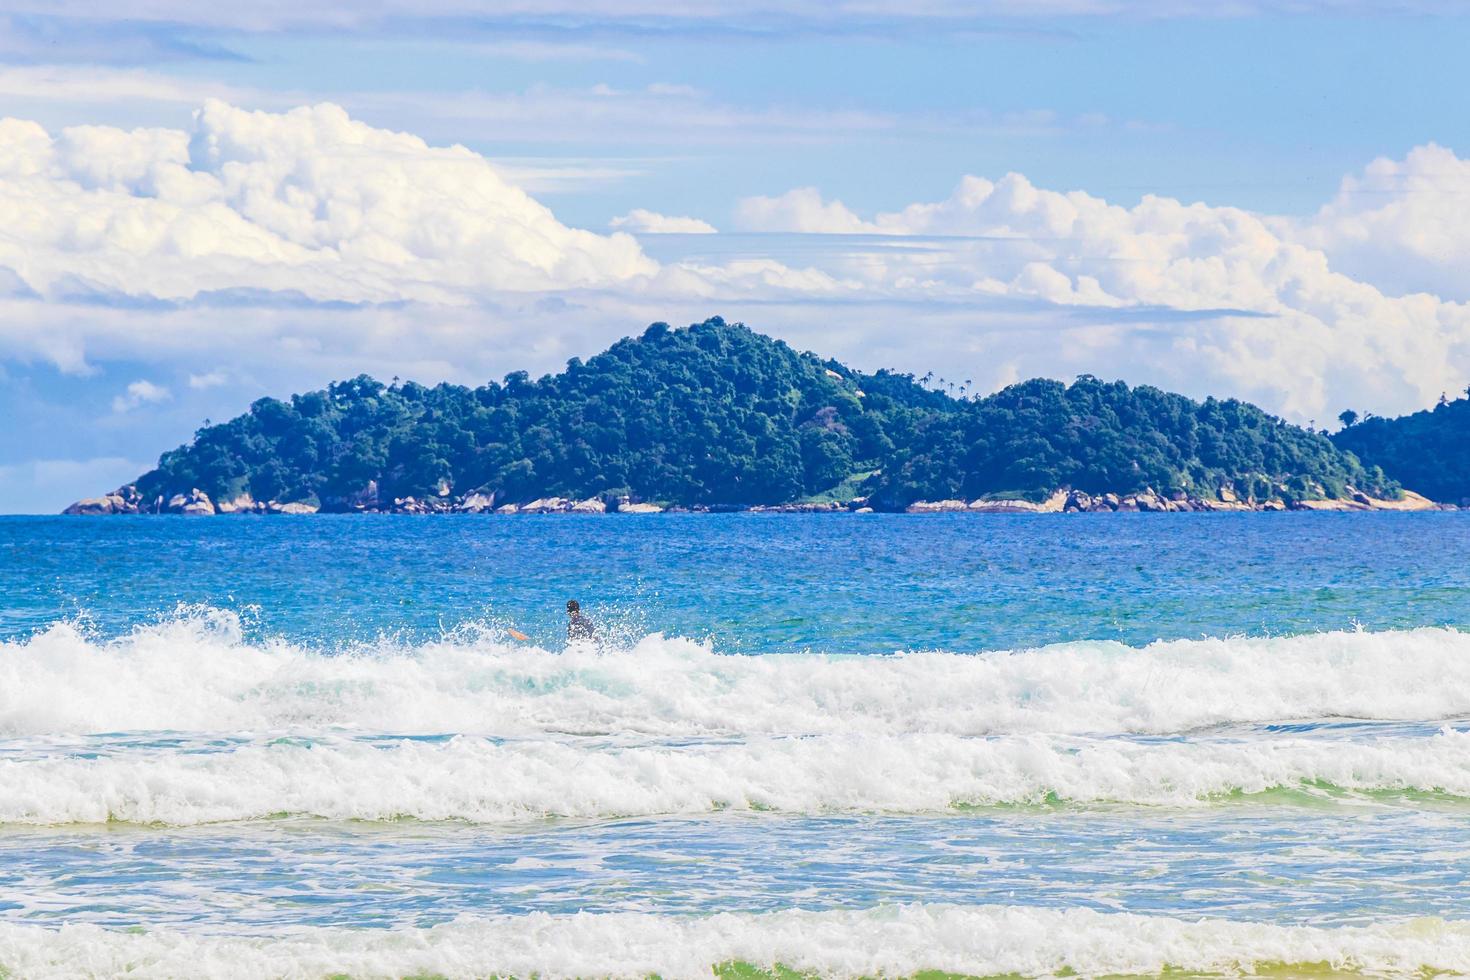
x=140 y=393
x=252 y=209
x=1249 y=304
x=209 y=379
x=309 y=202
x=309 y=242
x=1403 y=225
x=799 y=210
x=642 y=220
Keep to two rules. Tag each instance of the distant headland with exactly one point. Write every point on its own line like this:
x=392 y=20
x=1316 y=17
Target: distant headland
x=716 y=417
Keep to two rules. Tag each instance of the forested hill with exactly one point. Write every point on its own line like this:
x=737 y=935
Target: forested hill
x=719 y=416
x=1104 y=437
x=714 y=415
x=1429 y=451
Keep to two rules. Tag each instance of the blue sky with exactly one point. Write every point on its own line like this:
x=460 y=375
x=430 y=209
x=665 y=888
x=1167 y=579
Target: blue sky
x=1266 y=203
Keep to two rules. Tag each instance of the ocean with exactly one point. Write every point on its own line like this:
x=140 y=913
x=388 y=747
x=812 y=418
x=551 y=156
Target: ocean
x=827 y=745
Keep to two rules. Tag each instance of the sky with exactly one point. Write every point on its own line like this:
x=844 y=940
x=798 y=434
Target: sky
x=202 y=204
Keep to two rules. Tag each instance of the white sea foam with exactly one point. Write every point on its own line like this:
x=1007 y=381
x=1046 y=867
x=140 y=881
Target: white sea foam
x=892 y=941
x=196 y=673
x=474 y=779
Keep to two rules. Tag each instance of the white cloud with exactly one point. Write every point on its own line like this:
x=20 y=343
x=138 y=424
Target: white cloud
x=538 y=175
x=101 y=85
x=651 y=222
x=1303 y=337
x=140 y=393
x=210 y=379
x=256 y=207
x=308 y=201
x=800 y=210
x=1403 y=225
x=307 y=245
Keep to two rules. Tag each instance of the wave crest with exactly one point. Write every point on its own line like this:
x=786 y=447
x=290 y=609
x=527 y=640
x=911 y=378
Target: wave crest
x=490 y=781
x=197 y=672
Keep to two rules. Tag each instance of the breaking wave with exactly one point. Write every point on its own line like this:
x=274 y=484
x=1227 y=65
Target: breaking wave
x=491 y=781
x=893 y=941
x=187 y=722
x=197 y=672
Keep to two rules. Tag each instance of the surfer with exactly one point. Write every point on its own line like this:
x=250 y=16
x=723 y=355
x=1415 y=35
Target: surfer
x=579 y=627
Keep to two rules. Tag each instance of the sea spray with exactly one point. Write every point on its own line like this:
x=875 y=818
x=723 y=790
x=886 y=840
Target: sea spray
x=199 y=673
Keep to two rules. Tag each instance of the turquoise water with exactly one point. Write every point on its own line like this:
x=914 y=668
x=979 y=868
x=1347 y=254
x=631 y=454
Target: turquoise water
x=848 y=744
x=754 y=583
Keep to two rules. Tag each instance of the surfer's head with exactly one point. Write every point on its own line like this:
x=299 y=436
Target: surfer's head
x=572 y=606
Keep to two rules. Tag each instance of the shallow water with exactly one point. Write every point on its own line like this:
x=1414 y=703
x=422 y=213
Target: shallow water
x=1241 y=862
x=850 y=745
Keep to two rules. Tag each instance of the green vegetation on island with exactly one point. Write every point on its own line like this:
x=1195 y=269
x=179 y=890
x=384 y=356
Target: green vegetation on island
x=1105 y=437
x=717 y=416
x=1429 y=450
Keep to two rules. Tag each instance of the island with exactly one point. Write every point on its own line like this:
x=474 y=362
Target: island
x=717 y=417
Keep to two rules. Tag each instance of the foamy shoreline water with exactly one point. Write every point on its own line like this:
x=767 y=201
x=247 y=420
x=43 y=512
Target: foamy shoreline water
x=893 y=941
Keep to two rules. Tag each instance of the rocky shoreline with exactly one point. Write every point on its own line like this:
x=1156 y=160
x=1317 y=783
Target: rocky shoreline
x=1065 y=501
x=197 y=503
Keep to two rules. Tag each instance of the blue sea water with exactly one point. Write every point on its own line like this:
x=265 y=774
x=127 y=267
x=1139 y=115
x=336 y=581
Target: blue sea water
x=753 y=583
x=849 y=744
